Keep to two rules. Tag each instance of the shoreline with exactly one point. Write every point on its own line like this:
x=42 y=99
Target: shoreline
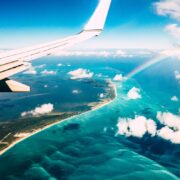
x=96 y=107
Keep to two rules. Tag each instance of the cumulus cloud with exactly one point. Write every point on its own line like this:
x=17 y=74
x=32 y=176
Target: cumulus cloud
x=169 y=119
x=101 y=95
x=173 y=30
x=118 y=77
x=140 y=125
x=169 y=8
x=137 y=127
x=175 y=98
x=39 y=111
x=134 y=93
x=75 y=91
x=169 y=134
x=47 y=72
x=80 y=74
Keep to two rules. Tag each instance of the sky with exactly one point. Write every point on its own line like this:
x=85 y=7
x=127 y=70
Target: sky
x=130 y=24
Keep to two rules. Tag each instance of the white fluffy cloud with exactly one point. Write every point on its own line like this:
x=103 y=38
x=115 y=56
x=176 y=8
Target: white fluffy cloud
x=39 y=111
x=169 y=8
x=169 y=119
x=118 y=77
x=175 y=98
x=171 y=129
x=47 y=72
x=140 y=125
x=101 y=95
x=80 y=74
x=134 y=93
x=137 y=127
x=169 y=134
x=173 y=30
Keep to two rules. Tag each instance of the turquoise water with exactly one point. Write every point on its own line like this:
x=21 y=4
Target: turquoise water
x=87 y=146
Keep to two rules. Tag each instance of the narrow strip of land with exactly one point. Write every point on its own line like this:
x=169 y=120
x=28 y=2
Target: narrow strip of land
x=36 y=125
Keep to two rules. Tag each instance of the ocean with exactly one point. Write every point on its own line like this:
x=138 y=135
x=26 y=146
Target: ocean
x=92 y=145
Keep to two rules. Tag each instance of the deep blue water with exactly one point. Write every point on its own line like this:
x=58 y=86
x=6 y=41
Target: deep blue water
x=87 y=146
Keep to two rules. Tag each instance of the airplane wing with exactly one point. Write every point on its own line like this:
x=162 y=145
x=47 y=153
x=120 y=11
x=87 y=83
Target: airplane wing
x=15 y=61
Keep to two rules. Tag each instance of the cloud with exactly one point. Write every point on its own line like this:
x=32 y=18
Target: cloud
x=118 y=77
x=169 y=119
x=134 y=93
x=169 y=8
x=31 y=70
x=101 y=95
x=84 y=53
x=59 y=65
x=3 y=51
x=104 y=53
x=121 y=53
x=175 y=98
x=140 y=125
x=46 y=72
x=169 y=134
x=39 y=111
x=177 y=74
x=80 y=74
x=137 y=127
x=107 y=53
x=75 y=91
x=173 y=30
x=174 y=53
x=41 y=66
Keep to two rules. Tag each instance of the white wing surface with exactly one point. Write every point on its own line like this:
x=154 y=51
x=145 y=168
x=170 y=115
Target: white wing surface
x=15 y=61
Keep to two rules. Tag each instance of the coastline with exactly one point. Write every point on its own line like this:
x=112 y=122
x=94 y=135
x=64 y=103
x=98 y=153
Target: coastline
x=96 y=107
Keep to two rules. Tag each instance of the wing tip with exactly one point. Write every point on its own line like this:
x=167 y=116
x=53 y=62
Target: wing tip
x=98 y=19
x=8 y=85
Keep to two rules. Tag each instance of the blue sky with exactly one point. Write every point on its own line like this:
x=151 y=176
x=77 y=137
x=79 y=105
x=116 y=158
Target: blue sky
x=130 y=24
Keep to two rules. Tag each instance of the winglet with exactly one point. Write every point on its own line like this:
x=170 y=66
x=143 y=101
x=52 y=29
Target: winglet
x=98 y=19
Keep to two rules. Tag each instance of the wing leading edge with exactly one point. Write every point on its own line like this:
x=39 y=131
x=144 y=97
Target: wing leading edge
x=15 y=61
